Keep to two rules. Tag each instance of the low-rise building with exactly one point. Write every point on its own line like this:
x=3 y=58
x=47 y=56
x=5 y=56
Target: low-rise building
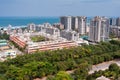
x=7 y=54
x=56 y=39
x=3 y=44
x=32 y=27
x=19 y=30
x=38 y=28
x=19 y=41
x=59 y=26
x=115 y=31
x=9 y=29
x=49 y=45
x=69 y=35
x=82 y=42
x=53 y=31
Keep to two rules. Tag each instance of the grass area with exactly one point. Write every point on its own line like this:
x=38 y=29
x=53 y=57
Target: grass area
x=38 y=38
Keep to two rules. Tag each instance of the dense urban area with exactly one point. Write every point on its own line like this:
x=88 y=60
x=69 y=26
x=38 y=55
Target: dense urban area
x=73 y=49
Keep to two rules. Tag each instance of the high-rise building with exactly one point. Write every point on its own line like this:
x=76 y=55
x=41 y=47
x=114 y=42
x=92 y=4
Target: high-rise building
x=67 y=22
x=82 y=29
x=75 y=23
x=112 y=21
x=99 y=29
x=118 y=21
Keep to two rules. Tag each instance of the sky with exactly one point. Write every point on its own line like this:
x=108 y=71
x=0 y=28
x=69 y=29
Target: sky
x=59 y=7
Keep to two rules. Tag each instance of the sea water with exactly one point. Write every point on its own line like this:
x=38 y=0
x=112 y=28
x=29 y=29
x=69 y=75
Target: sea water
x=24 y=21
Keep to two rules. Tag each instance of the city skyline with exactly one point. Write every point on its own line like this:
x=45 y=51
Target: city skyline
x=59 y=7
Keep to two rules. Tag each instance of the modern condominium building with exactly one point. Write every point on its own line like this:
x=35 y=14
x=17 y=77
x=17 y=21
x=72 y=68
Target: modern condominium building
x=118 y=21
x=99 y=29
x=75 y=23
x=82 y=29
x=112 y=21
x=67 y=22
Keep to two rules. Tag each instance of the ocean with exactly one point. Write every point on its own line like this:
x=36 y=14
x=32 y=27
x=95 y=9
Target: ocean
x=24 y=21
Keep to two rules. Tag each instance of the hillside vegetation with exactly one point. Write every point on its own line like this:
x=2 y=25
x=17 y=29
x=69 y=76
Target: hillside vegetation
x=40 y=64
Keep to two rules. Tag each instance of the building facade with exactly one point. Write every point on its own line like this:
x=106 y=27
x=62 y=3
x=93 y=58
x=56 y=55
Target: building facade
x=49 y=45
x=58 y=25
x=38 y=28
x=115 y=31
x=99 y=29
x=53 y=31
x=67 y=22
x=118 y=21
x=112 y=21
x=75 y=23
x=31 y=27
x=82 y=28
x=70 y=35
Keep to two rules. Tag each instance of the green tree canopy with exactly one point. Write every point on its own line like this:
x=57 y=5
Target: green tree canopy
x=62 y=75
x=113 y=67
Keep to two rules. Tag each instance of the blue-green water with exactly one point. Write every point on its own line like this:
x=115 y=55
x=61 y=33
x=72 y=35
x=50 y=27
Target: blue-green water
x=22 y=21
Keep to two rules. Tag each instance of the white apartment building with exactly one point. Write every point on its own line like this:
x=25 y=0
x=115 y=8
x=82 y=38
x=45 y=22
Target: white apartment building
x=75 y=23
x=67 y=22
x=99 y=29
x=82 y=29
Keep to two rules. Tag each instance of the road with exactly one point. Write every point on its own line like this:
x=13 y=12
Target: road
x=103 y=66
